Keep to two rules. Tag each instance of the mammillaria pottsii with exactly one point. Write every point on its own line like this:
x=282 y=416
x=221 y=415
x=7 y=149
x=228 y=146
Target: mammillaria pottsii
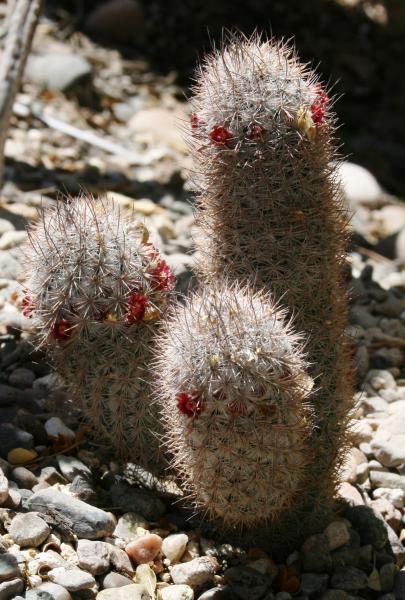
x=270 y=212
x=96 y=291
x=232 y=392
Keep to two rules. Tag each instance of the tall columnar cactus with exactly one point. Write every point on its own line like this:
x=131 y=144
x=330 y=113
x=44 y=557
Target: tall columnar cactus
x=232 y=390
x=270 y=213
x=96 y=291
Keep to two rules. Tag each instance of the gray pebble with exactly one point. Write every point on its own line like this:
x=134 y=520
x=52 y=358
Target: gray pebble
x=10 y=589
x=312 y=583
x=70 y=466
x=115 y=580
x=349 y=579
x=36 y=594
x=94 y=557
x=72 y=579
x=218 y=593
x=12 y=437
x=22 y=378
x=51 y=476
x=88 y=521
x=59 y=71
x=8 y=567
x=194 y=572
x=82 y=488
x=369 y=525
x=127 y=525
x=387 y=576
x=29 y=530
x=315 y=554
x=57 y=591
x=247 y=583
x=24 y=478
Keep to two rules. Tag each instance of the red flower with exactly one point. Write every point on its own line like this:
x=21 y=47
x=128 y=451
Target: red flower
x=256 y=132
x=27 y=306
x=61 y=330
x=318 y=109
x=195 y=121
x=153 y=252
x=162 y=277
x=189 y=404
x=136 y=307
x=220 y=135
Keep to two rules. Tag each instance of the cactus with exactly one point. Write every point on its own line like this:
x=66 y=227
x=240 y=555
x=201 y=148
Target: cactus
x=96 y=291
x=262 y=141
x=232 y=391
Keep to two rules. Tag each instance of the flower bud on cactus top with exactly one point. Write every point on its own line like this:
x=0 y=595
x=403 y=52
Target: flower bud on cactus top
x=96 y=291
x=271 y=213
x=232 y=391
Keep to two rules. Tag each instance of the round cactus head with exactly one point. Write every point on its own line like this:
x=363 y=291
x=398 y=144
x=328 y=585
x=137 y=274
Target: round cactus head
x=232 y=391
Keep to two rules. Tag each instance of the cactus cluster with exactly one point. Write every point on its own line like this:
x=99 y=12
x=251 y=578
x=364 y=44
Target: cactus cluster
x=252 y=441
x=96 y=291
x=232 y=391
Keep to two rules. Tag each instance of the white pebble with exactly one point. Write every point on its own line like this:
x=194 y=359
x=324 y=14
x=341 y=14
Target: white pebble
x=174 y=546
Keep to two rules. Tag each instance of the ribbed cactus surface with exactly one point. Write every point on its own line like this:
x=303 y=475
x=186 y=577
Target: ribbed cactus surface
x=270 y=213
x=232 y=391
x=96 y=290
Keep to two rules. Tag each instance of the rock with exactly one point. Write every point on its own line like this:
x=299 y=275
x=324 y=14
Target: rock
x=128 y=592
x=177 y=592
x=388 y=443
x=313 y=583
x=73 y=579
x=10 y=268
x=17 y=456
x=36 y=594
x=338 y=534
x=195 y=572
x=315 y=555
x=56 y=591
x=128 y=524
x=350 y=494
x=3 y=487
x=57 y=431
x=349 y=579
x=379 y=379
x=174 y=546
x=24 y=478
x=51 y=476
x=120 y=560
x=88 y=521
x=159 y=125
x=389 y=219
x=10 y=589
x=144 y=549
x=22 y=378
x=12 y=437
x=94 y=557
x=29 y=530
x=8 y=567
x=353 y=459
x=217 y=593
x=395 y=496
x=246 y=583
x=10 y=239
x=396 y=546
x=359 y=186
x=14 y=499
x=369 y=525
x=381 y=479
x=70 y=466
x=391 y=515
x=59 y=71
x=387 y=576
x=115 y=580
x=144 y=502
x=118 y=21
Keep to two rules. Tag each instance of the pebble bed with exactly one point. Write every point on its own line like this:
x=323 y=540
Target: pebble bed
x=75 y=523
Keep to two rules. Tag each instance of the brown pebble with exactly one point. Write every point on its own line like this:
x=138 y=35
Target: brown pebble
x=144 y=549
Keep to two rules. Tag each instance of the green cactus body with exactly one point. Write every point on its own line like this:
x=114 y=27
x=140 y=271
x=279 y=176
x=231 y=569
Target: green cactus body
x=232 y=391
x=96 y=291
x=270 y=213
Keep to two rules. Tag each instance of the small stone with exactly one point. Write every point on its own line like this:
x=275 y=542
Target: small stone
x=177 y=592
x=11 y=239
x=195 y=572
x=29 y=530
x=36 y=594
x=56 y=591
x=338 y=534
x=22 y=378
x=10 y=589
x=369 y=525
x=57 y=431
x=88 y=522
x=349 y=494
x=128 y=524
x=24 y=478
x=120 y=560
x=135 y=591
x=14 y=499
x=349 y=579
x=93 y=557
x=174 y=546
x=218 y=593
x=72 y=579
x=144 y=549
x=70 y=466
x=247 y=583
x=12 y=437
x=313 y=583
x=315 y=554
x=381 y=479
x=83 y=489
x=3 y=487
x=144 y=502
x=359 y=186
x=59 y=71
x=379 y=379
x=18 y=456
x=115 y=580
x=349 y=470
x=387 y=576
x=8 y=567
x=51 y=476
